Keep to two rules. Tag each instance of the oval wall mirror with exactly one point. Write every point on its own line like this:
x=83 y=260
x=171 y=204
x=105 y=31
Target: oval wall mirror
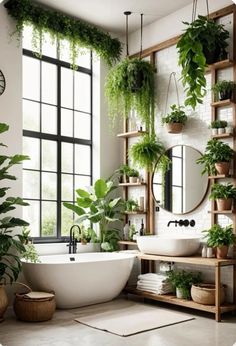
x=182 y=188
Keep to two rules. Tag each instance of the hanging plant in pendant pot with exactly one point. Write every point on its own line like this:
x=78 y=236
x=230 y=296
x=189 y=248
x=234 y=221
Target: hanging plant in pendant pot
x=204 y=42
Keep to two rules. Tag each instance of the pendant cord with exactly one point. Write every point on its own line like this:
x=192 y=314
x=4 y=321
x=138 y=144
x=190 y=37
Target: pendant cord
x=141 y=37
x=173 y=74
x=127 y=13
x=194 y=10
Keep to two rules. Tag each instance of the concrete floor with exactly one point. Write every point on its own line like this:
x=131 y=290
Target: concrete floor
x=62 y=330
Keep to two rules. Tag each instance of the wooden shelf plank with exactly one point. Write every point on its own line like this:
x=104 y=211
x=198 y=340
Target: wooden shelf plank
x=221 y=64
x=133 y=184
x=132 y=134
x=222 y=212
x=135 y=212
x=223 y=103
x=223 y=135
x=213 y=262
x=127 y=242
x=220 y=176
x=171 y=299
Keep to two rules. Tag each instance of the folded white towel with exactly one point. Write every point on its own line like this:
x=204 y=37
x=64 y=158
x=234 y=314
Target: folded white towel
x=156 y=291
x=152 y=277
x=163 y=288
x=158 y=280
x=153 y=284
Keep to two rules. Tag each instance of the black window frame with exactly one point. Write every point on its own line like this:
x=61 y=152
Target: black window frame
x=59 y=139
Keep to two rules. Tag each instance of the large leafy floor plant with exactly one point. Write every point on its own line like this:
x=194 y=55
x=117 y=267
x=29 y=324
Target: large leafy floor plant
x=100 y=207
x=202 y=37
x=11 y=244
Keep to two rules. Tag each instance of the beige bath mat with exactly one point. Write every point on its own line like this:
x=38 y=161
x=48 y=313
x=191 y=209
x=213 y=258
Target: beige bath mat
x=125 y=317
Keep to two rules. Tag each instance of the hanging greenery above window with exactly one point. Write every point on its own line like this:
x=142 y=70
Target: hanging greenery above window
x=61 y=26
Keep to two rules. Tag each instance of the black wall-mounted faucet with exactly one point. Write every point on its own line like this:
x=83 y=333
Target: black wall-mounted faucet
x=181 y=223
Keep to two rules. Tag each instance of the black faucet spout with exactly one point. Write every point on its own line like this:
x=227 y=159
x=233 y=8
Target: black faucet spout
x=73 y=241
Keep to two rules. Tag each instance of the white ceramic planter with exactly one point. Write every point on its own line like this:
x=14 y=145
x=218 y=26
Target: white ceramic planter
x=221 y=130
x=229 y=129
x=214 y=132
x=133 y=180
x=179 y=293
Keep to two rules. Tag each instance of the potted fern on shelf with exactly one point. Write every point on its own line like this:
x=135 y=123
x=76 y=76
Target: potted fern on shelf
x=182 y=282
x=175 y=120
x=224 y=90
x=217 y=158
x=224 y=195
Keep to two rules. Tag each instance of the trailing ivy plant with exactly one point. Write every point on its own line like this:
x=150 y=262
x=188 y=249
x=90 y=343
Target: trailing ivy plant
x=60 y=26
x=202 y=36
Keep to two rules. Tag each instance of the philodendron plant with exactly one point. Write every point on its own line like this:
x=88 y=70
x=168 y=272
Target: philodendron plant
x=100 y=207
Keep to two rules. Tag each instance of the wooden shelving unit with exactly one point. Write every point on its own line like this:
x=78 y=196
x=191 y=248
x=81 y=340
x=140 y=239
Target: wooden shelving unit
x=217 y=264
x=131 y=134
x=223 y=103
x=221 y=212
x=220 y=65
x=220 y=176
x=127 y=242
x=133 y=184
x=223 y=135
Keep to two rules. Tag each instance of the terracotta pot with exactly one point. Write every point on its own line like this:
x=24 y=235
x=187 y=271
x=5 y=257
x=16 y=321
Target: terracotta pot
x=174 y=127
x=224 y=204
x=133 y=180
x=222 y=251
x=3 y=302
x=222 y=167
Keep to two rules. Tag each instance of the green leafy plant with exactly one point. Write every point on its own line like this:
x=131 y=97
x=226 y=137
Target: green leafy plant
x=220 y=191
x=132 y=232
x=61 y=26
x=220 y=236
x=99 y=207
x=201 y=36
x=218 y=124
x=133 y=173
x=183 y=280
x=131 y=205
x=87 y=235
x=30 y=254
x=110 y=241
x=177 y=115
x=223 y=86
x=123 y=95
x=11 y=244
x=216 y=151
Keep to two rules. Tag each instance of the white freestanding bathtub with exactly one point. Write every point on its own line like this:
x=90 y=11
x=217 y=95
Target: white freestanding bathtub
x=80 y=279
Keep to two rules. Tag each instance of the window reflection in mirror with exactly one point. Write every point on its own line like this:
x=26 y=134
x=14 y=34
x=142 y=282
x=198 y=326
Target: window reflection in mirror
x=182 y=187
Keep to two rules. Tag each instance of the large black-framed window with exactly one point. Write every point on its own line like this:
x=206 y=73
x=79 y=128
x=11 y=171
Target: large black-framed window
x=57 y=135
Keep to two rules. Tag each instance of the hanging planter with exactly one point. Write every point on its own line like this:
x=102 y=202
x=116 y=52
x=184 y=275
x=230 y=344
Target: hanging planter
x=203 y=42
x=60 y=26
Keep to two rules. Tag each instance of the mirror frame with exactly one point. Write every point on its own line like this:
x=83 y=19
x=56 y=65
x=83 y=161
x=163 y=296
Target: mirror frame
x=152 y=177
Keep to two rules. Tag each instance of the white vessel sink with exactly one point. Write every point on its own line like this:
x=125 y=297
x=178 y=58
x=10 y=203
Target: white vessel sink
x=169 y=244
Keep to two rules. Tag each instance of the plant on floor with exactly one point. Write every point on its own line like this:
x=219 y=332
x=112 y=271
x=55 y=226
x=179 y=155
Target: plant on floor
x=215 y=152
x=223 y=90
x=183 y=280
x=201 y=38
x=177 y=115
x=11 y=244
x=130 y=86
x=61 y=26
x=100 y=207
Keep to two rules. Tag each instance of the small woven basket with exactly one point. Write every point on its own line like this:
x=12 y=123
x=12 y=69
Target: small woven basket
x=34 y=306
x=205 y=294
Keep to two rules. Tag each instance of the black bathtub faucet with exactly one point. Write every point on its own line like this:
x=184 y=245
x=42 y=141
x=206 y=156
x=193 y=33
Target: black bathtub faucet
x=73 y=241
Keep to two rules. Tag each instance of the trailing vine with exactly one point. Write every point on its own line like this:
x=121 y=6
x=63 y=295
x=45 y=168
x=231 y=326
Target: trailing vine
x=60 y=26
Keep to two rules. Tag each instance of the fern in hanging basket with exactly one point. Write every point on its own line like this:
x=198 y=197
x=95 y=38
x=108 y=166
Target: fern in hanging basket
x=130 y=86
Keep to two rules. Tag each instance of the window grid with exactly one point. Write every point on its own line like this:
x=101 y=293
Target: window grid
x=59 y=139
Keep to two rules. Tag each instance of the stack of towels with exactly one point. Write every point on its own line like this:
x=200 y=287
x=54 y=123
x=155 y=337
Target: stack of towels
x=154 y=283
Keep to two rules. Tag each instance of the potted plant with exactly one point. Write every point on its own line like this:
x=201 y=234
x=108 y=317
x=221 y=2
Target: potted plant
x=214 y=127
x=133 y=175
x=220 y=238
x=87 y=239
x=223 y=195
x=98 y=207
x=175 y=120
x=131 y=206
x=217 y=157
x=123 y=173
x=224 y=89
x=182 y=282
x=11 y=243
x=130 y=86
x=203 y=42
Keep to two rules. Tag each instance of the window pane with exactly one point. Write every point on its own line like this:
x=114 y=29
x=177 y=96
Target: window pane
x=84 y=59
x=49 y=223
x=66 y=87
x=31 y=115
x=82 y=92
x=67 y=157
x=49 y=119
x=177 y=202
x=27 y=37
x=66 y=122
x=31 y=78
x=64 y=50
x=82 y=182
x=67 y=187
x=31 y=148
x=82 y=127
x=49 y=156
x=177 y=151
x=49 y=83
x=67 y=220
x=177 y=171
x=82 y=159
x=49 y=46
x=31 y=184
x=49 y=186
x=31 y=215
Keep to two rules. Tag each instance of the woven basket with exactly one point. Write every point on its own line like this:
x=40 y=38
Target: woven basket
x=34 y=309
x=205 y=294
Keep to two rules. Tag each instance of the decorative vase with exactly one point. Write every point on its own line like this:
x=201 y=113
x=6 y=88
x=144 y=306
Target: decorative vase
x=174 y=127
x=225 y=95
x=3 y=302
x=224 y=204
x=222 y=167
x=222 y=251
x=133 y=180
